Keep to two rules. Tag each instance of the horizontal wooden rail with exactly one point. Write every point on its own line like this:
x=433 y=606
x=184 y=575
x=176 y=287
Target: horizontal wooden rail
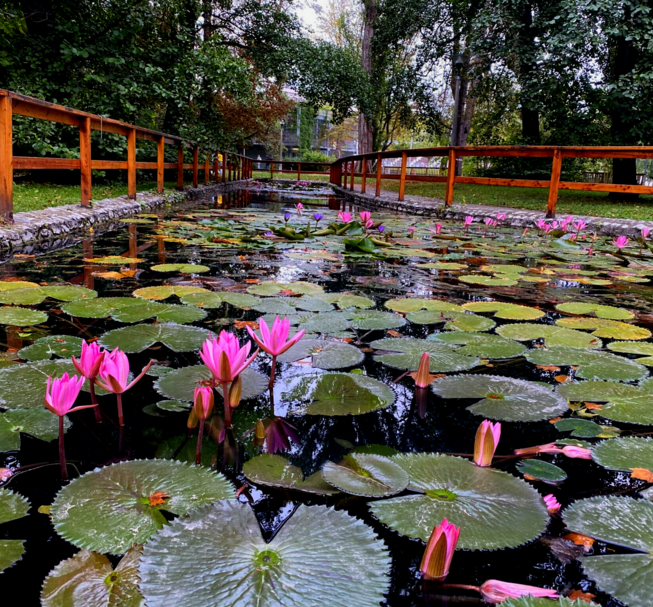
x=360 y=166
x=301 y=167
x=226 y=166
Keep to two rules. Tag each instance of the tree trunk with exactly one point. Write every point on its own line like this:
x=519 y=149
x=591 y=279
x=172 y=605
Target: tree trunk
x=365 y=127
x=530 y=115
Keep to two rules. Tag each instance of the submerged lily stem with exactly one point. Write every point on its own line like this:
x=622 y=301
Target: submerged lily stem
x=62 y=450
x=272 y=371
x=96 y=410
x=121 y=421
x=198 y=451
x=227 y=406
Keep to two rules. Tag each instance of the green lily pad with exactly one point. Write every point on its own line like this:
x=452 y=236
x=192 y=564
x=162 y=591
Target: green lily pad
x=635 y=347
x=216 y=299
x=270 y=288
x=481 y=345
x=222 y=545
x=137 y=338
x=406 y=352
x=163 y=313
x=507 y=311
x=489 y=281
x=337 y=394
x=415 y=304
x=324 y=354
x=503 y=398
x=622 y=521
x=184 y=268
x=541 y=470
x=368 y=475
x=492 y=508
x=57 y=346
x=277 y=471
x=89 y=578
x=591 y=365
x=102 y=307
x=344 y=301
x=108 y=509
x=455 y=321
x=11 y=551
x=553 y=336
x=13 y=506
x=598 y=310
x=601 y=327
x=624 y=454
x=582 y=428
x=30 y=294
x=330 y=323
x=164 y=291
x=374 y=320
x=180 y=383
x=173 y=406
x=39 y=423
x=21 y=317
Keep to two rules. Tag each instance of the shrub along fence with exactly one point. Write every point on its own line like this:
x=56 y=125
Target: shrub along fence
x=370 y=166
x=226 y=166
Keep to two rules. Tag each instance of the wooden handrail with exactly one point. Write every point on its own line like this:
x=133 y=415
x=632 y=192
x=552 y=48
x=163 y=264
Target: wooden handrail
x=12 y=103
x=347 y=167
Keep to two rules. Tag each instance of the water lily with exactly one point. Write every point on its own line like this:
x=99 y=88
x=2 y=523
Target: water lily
x=437 y=229
x=275 y=340
x=279 y=434
x=368 y=224
x=439 y=551
x=501 y=216
x=114 y=372
x=541 y=224
x=226 y=360
x=580 y=225
x=548 y=448
x=344 y=216
x=365 y=216
x=381 y=228
x=317 y=217
x=60 y=396
x=494 y=591
x=552 y=504
x=423 y=376
x=286 y=217
x=487 y=439
x=488 y=222
x=300 y=207
x=411 y=232
x=645 y=232
x=203 y=401
x=89 y=366
x=468 y=221
x=621 y=242
x=575 y=452
x=564 y=224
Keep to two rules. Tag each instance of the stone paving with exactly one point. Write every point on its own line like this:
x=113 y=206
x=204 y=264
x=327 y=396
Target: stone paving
x=434 y=207
x=51 y=228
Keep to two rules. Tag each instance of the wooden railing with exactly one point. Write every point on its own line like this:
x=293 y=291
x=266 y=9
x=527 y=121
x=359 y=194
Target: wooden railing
x=226 y=166
x=370 y=166
x=298 y=167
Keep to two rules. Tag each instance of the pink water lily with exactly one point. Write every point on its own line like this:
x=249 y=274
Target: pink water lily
x=365 y=216
x=575 y=452
x=487 y=439
x=88 y=365
x=468 y=221
x=548 y=448
x=300 y=207
x=645 y=232
x=344 y=216
x=275 y=340
x=621 y=242
x=411 y=231
x=114 y=373
x=60 y=396
x=439 y=552
x=437 y=229
x=494 y=591
x=541 y=224
x=422 y=376
x=580 y=225
x=501 y=216
x=552 y=504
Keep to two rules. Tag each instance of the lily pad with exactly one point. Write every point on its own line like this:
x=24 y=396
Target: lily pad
x=180 y=383
x=57 y=346
x=216 y=299
x=39 y=423
x=489 y=281
x=594 y=309
x=137 y=338
x=324 y=354
x=344 y=300
x=89 y=578
x=611 y=329
x=541 y=470
x=503 y=398
x=374 y=320
x=13 y=506
x=622 y=521
x=164 y=291
x=455 y=321
x=367 y=475
x=415 y=304
x=337 y=394
x=492 y=508
x=330 y=323
x=111 y=508
x=406 y=352
x=222 y=545
x=277 y=471
x=581 y=428
x=184 y=268
x=624 y=454
x=270 y=288
x=635 y=347
x=553 y=336
x=21 y=317
x=481 y=345
x=591 y=365
x=30 y=294
x=507 y=311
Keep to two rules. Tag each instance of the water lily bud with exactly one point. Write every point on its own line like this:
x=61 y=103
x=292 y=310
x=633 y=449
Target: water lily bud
x=494 y=591
x=487 y=439
x=259 y=433
x=439 y=552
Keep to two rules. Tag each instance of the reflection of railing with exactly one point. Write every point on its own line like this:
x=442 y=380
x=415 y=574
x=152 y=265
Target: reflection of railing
x=370 y=166
x=226 y=166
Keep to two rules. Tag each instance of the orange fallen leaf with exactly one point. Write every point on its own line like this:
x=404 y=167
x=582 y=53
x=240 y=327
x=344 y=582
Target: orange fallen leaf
x=593 y=406
x=562 y=379
x=580 y=540
x=252 y=281
x=528 y=477
x=583 y=596
x=555 y=420
x=241 y=324
x=394 y=333
x=642 y=474
x=287 y=293
x=158 y=498
x=548 y=368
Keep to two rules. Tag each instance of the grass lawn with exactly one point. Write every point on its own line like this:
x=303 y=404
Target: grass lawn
x=569 y=202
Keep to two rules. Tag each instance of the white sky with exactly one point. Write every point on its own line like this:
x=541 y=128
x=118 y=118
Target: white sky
x=308 y=12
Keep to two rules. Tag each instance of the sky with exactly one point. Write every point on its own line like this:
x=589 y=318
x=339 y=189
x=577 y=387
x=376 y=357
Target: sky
x=308 y=12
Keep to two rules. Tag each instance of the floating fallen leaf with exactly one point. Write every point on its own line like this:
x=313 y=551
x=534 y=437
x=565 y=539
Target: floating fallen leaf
x=562 y=379
x=548 y=368
x=580 y=595
x=580 y=540
x=45 y=509
x=642 y=474
x=241 y=324
x=593 y=406
x=158 y=498
x=394 y=333
x=555 y=420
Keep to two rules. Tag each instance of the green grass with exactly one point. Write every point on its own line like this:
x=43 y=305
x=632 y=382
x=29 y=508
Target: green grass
x=570 y=202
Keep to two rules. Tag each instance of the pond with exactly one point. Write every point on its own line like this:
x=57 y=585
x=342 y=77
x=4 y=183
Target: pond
x=345 y=465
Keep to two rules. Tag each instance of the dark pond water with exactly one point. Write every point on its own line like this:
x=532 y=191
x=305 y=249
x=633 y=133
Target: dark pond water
x=438 y=425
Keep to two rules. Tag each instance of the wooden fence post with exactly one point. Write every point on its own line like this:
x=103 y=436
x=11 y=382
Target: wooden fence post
x=6 y=161
x=180 y=167
x=299 y=171
x=85 y=159
x=196 y=153
x=207 y=169
x=353 y=174
x=215 y=168
x=131 y=163
x=379 y=172
x=553 y=185
x=343 y=175
x=364 y=171
x=160 y=159
x=224 y=167
x=402 y=177
x=451 y=174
